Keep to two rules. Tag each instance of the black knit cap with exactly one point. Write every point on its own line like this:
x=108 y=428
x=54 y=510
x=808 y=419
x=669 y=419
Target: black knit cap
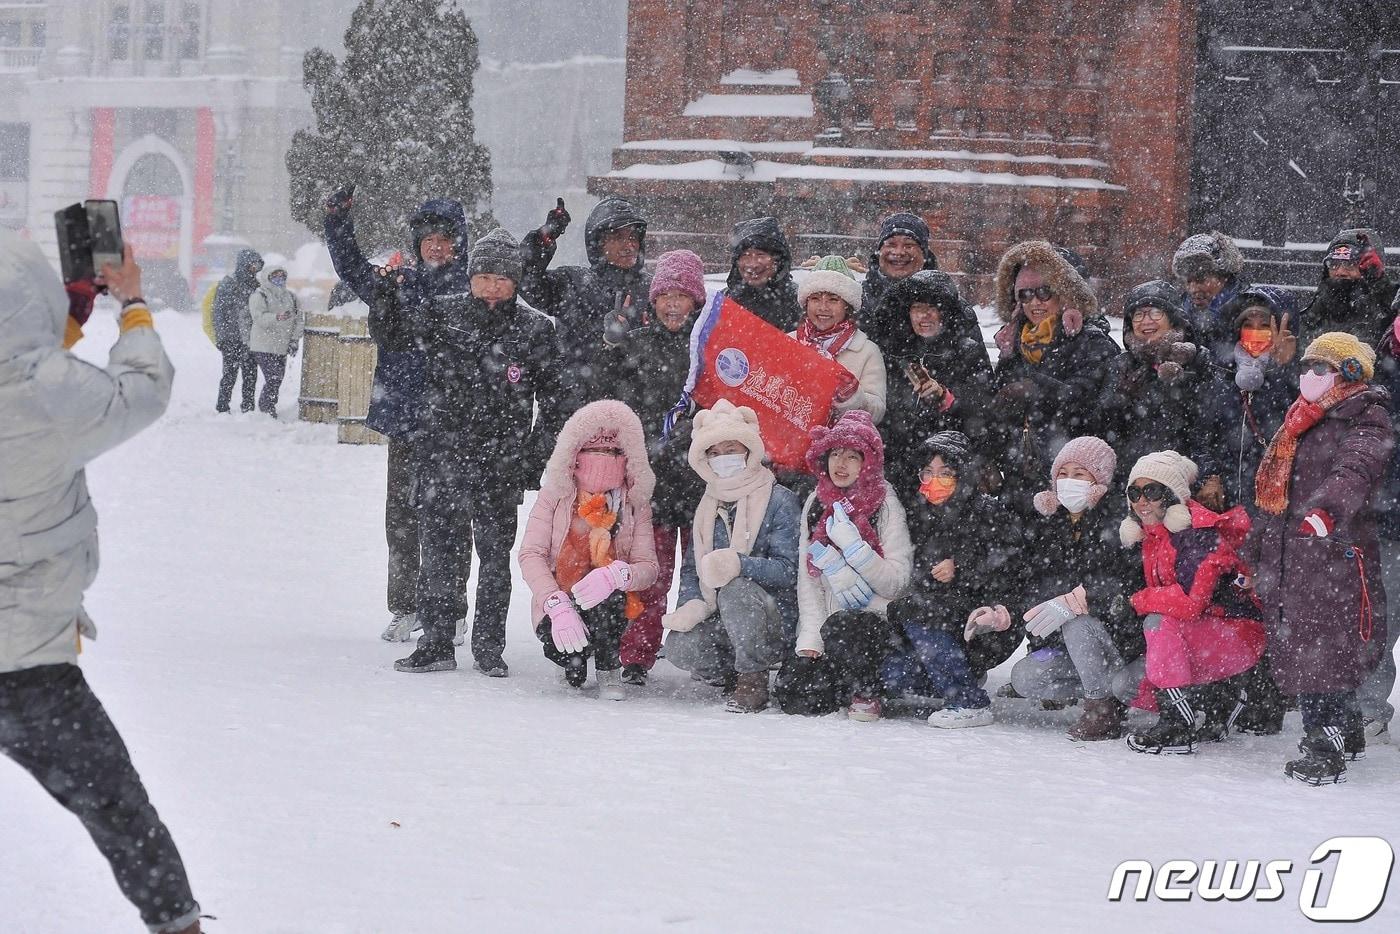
x=953 y=446
x=905 y=224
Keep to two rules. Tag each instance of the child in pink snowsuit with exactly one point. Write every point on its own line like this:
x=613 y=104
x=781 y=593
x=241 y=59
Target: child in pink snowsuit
x=1202 y=628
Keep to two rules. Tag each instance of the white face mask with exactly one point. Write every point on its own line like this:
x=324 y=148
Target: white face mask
x=1073 y=494
x=728 y=465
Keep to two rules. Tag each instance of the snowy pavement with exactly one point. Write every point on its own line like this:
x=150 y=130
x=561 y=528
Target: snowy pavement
x=313 y=789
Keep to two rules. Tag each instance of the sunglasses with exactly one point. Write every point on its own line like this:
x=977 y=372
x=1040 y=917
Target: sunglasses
x=1152 y=492
x=1042 y=292
x=1320 y=368
x=1341 y=263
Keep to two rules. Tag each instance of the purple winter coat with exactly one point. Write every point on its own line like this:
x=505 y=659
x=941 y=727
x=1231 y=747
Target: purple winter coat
x=1311 y=588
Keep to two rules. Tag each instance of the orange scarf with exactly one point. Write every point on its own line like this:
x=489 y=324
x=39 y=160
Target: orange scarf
x=1036 y=338
x=593 y=510
x=1276 y=469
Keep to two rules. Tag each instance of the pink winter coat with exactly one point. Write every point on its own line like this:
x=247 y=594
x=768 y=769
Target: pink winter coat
x=554 y=507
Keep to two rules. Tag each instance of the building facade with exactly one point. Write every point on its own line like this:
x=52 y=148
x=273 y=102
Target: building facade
x=999 y=121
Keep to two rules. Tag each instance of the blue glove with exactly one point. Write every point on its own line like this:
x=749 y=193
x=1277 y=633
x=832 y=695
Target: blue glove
x=857 y=596
x=841 y=530
x=849 y=588
x=827 y=559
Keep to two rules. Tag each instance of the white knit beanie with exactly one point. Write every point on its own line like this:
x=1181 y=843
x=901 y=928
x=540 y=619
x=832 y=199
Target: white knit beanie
x=830 y=275
x=1176 y=473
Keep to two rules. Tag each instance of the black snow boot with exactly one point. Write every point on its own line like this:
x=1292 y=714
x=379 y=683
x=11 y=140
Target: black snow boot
x=1323 y=762
x=429 y=656
x=1354 y=740
x=1176 y=730
x=1222 y=702
x=635 y=675
x=1264 y=702
x=576 y=669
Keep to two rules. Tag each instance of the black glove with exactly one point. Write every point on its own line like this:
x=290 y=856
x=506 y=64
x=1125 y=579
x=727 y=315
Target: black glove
x=341 y=200
x=556 y=222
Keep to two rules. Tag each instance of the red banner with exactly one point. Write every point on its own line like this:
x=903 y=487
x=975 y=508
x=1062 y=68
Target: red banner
x=790 y=386
x=151 y=224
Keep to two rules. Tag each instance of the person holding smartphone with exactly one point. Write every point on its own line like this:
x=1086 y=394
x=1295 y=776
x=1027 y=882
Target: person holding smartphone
x=56 y=414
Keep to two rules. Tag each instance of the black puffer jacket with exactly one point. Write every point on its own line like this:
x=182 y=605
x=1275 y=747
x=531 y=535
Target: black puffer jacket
x=957 y=358
x=232 y=320
x=581 y=298
x=1357 y=306
x=484 y=371
x=1061 y=554
x=650 y=370
x=776 y=301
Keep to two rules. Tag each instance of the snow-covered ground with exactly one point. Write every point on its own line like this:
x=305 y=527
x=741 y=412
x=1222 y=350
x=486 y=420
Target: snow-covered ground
x=313 y=789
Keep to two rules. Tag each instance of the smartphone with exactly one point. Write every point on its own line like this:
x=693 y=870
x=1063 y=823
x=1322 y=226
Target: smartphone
x=917 y=373
x=89 y=237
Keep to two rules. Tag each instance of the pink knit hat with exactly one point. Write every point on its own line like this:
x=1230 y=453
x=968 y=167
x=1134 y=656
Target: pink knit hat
x=1094 y=455
x=854 y=430
x=679 y=271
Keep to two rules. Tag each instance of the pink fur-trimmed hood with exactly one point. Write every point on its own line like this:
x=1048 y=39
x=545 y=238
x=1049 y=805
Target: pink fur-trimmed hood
x=582 y=427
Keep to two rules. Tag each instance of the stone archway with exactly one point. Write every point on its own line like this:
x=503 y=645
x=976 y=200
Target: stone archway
x=153 y=184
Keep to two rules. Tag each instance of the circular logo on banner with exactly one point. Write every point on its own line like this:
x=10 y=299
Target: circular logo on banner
x=732 y=365
x=513 y=373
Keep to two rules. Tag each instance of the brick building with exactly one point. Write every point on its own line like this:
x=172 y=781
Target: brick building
x=997 y=120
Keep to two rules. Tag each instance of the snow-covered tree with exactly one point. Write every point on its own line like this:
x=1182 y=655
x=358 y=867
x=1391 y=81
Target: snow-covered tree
x=394 y=118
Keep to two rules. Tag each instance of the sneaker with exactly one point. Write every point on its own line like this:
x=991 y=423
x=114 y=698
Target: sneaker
x=957 y=718
x=864 y=709
x=435 y=656
x=1323 y=762
x=610 y=686
x=492 y=667
x=460 y=636
x=1375 y=730
x=576 y=670
x=401 y=628
x=635 y=675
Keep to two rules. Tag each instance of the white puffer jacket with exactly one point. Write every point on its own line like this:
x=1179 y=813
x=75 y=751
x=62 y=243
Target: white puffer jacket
x=56 y=414
x=888 y=576
x=277 y=317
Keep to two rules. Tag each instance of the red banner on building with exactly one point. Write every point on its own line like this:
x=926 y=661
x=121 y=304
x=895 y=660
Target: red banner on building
x=151 y=224
x=746 y=360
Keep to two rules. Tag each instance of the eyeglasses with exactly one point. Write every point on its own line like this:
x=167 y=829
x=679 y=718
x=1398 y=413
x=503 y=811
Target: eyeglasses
x=1321 y=368
x=926 y=475
x=1042 y=292
x=1148 y=313
x=1152 y=492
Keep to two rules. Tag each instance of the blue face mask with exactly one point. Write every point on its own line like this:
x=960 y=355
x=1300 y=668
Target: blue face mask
x=278 y=281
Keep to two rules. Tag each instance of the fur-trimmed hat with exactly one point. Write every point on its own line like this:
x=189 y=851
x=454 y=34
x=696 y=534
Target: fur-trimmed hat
x=1207 y=253
x=830 y=275
x=1340 y=348
x=1176 y=473
x=679 y=271
x=853 y=430
x=1094 y=455
x=496 y=253
x=605 y=422
x=1062 y=270
x=724 y=421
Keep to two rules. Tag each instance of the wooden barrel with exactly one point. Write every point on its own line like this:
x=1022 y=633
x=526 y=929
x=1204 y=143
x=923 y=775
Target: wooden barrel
x=356 y=383
x=320 y=369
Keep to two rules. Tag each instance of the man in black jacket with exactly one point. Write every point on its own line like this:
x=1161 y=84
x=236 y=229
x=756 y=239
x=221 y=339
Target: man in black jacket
x=901 y=250
x=594 y=305
x=233 y=324
x=1354 y=293
x=488 y=363
x=760 y=273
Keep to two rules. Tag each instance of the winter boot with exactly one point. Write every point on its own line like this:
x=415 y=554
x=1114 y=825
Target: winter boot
x=635 y=675
x=1175 y=731
x=1222 y=702
x=1323 y=762
x=1264 y=703
x=1375 y=730
x=1102 y=719
x=492 y=667
x=750 y=693
x=726 y=682
x=1354 y=740
x=1008 y=690
x=576 y=669
x=610 y=686
x=430 y=656
x=401 y=628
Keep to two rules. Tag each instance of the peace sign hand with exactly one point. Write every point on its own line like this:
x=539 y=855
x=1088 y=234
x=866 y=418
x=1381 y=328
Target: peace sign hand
x=1284 y=346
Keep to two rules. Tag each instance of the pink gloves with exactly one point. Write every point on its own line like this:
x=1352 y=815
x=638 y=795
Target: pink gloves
x=565 y=625
x=1046 y=618
x=987 y=619
x=601 y=583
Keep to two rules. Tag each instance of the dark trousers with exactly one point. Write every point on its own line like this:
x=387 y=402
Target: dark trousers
x=274 y=369
x=643 y=637
x=935 y=663
x=237 y=360
x=857 y=642
x=451 y=519
x=606 y=623
x=401 y=530
x=1322 y=710
x=55 y=728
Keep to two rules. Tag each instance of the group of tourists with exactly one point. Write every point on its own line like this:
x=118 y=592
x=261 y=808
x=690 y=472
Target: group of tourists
x=1199 y=522
x=257 y=323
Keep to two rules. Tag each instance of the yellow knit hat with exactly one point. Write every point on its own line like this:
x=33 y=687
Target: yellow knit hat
x=1336 y=347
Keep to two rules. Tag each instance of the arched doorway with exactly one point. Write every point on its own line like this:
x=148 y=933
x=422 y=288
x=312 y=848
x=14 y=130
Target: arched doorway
x=152 y=184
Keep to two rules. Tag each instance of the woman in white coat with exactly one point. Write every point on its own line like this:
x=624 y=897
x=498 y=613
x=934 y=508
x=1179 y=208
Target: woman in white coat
x=829 y=295
x=278 y=322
